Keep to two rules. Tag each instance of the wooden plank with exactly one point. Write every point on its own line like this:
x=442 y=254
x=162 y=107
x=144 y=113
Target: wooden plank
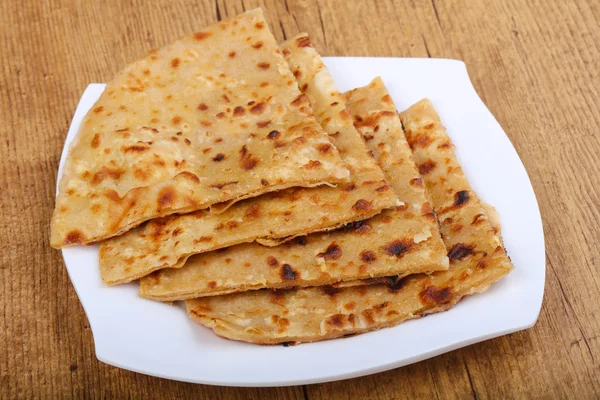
x=532 y=62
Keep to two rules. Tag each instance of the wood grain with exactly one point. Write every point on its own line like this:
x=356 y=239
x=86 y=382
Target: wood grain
x=534 y=63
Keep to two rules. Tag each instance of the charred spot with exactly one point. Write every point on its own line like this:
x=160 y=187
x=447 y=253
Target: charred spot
x=304 y=87
x=435 y=295
x=333 y=252
x=74 y=237
x=239 y=111
x=258 y=108
x=461 y=198
x=335 y=103
x=218 y=157
x=324 y=148
x=330 y=290
x=297 y=73
x=397 y=248
x=262 y=124
x=460 y=251
x=96 y=141
x=395 y=284
x=202 y=35
x=264 y=182
x=274 y=134
x=368 y=256
x=362 y=205
x=303 y=41
x=426 y=167
x=247 y=161
x=288 y=273
x=263 y=65
x=381 y=306
x=272 y=261
x=300 y=240
x=166 y=197
x=257 y=45
x=358 y=227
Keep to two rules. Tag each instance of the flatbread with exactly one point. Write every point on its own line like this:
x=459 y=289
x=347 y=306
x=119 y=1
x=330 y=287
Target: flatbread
x=400 y=241
x=477 y=259
x=189 y=125
x=170 y=241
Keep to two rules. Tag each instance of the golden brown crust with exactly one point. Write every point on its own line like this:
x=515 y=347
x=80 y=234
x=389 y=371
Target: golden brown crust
x=477 y=260
x=188 y=126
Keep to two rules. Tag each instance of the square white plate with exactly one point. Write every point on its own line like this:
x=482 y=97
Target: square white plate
x=159 y=339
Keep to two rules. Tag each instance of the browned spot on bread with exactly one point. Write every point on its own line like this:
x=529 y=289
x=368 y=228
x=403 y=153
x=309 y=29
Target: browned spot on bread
x=218 y=157
x=362 y=205
x=301 y=99
x=247 y=161
x=381 y=306
x=262 y=124
x=288 y=273
x=203 y=239
x=461 y=198
x=333 y=252
x=231 y=54
x=444 y=146
x=253 y=212
x=299 y=240
x=166 y=197
x=272 y=261
x=104 y=173
x=416 y=182
x=96 y=141
x=95 y=208
x=202 y=35
x=189 y=175
x=112 y=195
x=175 y=62
x=383 y=188
x=373 y=119
x=368 y=256
x=274 y=134
x=435 y=295
x=212 y=284
x=350 y=187
x=177 y=231
x=239 y=111
x=481 y=264
x=303 y=41
x=222 y=185
x=426 y=167
x=312 y=164
x=460 y=251
x=350 y=305
x=420 y=140
x=429 y=126
x=324 y=148
x=263 y=65
x=257 y=45
x=226 y=98
x=98 y=109
x=395 y=285
x=330 y=290
x=297 y=73
x=398 y=247
x=286 y=52
x=74 y=237
x=478 y=219
x=264 y=182
x=259 y=25
x=258 y=108
x=136 y=148
x=386 y=99
x=176 y=120
x=426 y=208
x=202 y=107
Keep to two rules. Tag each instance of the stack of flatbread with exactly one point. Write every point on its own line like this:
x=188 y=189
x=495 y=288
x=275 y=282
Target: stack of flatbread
x=227 y=171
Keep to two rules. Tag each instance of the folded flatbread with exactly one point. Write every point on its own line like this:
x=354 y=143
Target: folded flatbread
x=399 y=241
x=477 y=259
x=168 y=242
x=214 y=117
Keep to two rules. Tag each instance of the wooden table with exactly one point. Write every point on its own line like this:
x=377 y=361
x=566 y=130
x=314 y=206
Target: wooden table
x=534 y=63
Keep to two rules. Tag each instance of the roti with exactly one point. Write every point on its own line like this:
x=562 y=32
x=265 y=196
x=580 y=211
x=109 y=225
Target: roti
x=168 y=242
x=400 y=241
x=477 y=259
x=214 y=117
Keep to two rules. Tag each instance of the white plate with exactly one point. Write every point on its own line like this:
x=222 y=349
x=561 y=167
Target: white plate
x=159 y=339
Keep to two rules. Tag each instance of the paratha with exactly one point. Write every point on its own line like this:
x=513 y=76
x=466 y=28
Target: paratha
x=477 y=259
x=168 y=242
x=214 y=117
x=400 y=241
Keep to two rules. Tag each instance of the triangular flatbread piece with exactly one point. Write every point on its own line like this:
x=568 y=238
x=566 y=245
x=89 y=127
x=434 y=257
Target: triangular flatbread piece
x=192 y=124
x=477 y=259
x=170 y=241
x=400 y=241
